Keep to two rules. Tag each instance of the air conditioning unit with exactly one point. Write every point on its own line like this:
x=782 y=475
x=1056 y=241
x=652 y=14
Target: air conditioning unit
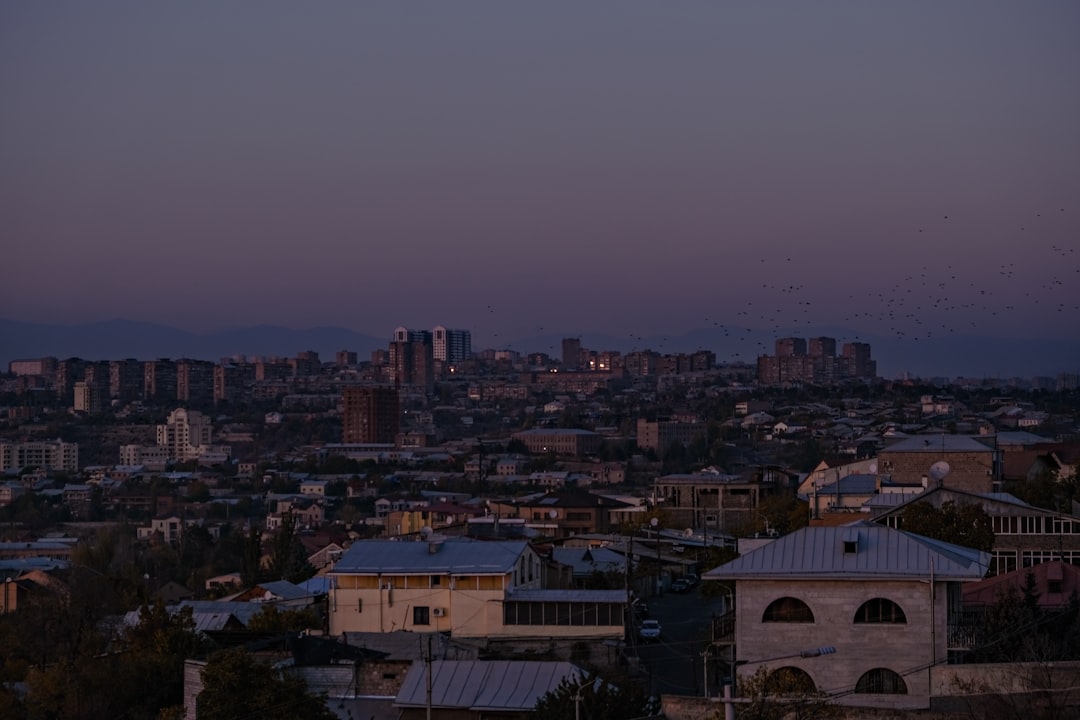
x=438 y=612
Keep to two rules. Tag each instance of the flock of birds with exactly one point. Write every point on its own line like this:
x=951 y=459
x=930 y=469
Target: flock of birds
x=1040 y=278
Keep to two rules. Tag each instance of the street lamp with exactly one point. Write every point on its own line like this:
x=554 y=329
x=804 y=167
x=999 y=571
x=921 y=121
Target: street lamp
x=729 y=701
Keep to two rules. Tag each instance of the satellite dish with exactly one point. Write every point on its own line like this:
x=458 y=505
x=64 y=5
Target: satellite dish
x=939 y=470
x=553 y=514
x=873 y=468
x=425 y=532
x=688 y=532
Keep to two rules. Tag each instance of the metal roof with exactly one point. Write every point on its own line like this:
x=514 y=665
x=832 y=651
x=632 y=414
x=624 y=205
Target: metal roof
x=484 y=685
x=880 y=552
x=938 y=443
x=456 y=555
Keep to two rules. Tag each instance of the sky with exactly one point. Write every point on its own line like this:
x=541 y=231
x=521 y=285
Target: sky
x=630 y=167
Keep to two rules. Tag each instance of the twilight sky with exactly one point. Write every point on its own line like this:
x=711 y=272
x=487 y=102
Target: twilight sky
x=627 y=167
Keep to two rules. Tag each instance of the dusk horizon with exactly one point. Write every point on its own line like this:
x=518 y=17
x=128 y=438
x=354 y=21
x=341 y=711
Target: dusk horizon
x=903 y=170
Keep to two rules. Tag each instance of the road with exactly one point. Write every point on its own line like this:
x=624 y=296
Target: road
x=674 y=665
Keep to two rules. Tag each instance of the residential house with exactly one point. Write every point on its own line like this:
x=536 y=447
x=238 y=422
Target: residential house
x=471 y=589
x=563 y=513
x=1024 y=535
x=859 y=588
x=957 y=461
x=713 y=499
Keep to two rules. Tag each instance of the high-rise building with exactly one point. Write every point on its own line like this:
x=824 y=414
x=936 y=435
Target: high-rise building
x=571 y=353
x=858 y=363
x=451 y=346
x=370 y=414
x=822 y=347
x=306 y=364
x=125 y=380
x=411 y=360
x=232 y=382
x=185 y=434
x=195 y=382
x=790 y=346
x=159 y=380
x=345 y=358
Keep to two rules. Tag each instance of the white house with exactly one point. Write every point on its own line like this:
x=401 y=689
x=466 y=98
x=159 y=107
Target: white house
x=887 y=600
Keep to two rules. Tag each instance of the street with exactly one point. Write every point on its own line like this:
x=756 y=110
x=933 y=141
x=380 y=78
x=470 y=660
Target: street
x=674 y=665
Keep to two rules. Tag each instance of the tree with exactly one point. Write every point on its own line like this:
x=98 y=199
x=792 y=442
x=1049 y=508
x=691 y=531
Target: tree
x=288 y=560
x=599 y=700
x=967 y=525
x=272 y=620
x=237 y=685
x=776 y=694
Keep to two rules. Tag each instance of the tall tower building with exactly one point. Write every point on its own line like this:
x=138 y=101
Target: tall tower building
x=451 y=346
x=370 y=414
x=159 y=380
x=822 y=347
x=571 y=353
x=412 y=362
x=195 y=382
x=857 y=360
x=791 y=346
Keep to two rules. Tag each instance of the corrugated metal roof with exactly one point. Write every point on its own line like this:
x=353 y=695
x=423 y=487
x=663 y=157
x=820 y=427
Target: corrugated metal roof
x=484 y=685
x=458 y=556
x=881 y=553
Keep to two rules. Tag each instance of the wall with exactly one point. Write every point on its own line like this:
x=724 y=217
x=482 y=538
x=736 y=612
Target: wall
x=859 y=647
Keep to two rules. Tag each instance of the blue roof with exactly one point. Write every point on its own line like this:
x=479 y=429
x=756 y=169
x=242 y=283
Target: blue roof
x=457 y=556
x=881 y=552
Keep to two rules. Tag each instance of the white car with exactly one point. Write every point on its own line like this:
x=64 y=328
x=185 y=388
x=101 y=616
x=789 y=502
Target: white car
x=649 y=630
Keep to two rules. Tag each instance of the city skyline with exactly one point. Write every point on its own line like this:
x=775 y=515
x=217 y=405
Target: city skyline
x=896 y=171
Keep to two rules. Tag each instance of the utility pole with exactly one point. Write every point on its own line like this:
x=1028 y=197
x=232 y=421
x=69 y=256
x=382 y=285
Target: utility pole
x=427 y=662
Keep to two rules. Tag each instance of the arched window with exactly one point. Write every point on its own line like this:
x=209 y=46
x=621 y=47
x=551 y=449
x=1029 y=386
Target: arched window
x=788 y=610
x=790 y=681
x=880 y=610
x=881 y=681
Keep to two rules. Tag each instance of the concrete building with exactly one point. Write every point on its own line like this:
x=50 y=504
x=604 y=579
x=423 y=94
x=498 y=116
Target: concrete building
x=186 y=436
x=886 y=600
x=370 y=414
x=560 y=441
x=713 y=500
x=45 y=454
x=195 y=382
x=660 y=435
x=469 y=589
x=451 y=346
x=960 y=462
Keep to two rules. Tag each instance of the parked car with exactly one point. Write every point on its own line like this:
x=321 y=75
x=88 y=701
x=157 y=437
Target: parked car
x=649 y=630
x=681 y=585
x=693 y=579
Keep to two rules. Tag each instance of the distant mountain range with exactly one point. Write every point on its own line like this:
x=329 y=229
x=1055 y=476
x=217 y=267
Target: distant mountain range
x=951 y=356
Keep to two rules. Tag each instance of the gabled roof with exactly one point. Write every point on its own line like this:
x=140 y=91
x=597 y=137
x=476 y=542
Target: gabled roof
x=1067 y=576
x=484 y=685
x=458 y=556
x=880 y=553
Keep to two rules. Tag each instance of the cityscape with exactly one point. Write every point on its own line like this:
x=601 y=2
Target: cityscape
x=627 y=515
x=488 y=361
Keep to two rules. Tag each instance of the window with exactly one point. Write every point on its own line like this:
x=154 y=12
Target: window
x=880 y=610
x=788 y=610
x=421 y=616
x=790 y=681
x=436 y=580
x=881 y=681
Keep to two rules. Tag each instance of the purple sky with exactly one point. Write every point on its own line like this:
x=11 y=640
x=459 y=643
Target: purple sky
x=621 y=167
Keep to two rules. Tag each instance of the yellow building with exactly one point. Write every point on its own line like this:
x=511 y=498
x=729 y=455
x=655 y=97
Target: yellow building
x=469 y=588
